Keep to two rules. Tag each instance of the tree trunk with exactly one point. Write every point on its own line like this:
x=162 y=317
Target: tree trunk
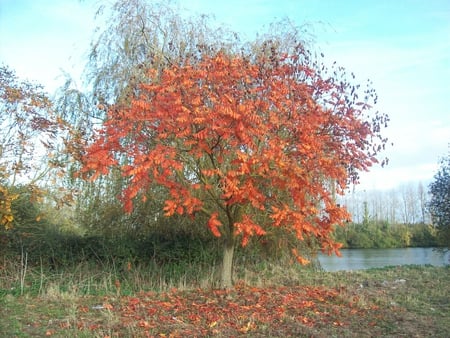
x=226 y=278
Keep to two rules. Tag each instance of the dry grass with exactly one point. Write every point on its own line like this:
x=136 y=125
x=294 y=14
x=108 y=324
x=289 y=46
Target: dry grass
x=408 y=301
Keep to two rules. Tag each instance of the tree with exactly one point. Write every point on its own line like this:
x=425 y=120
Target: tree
x=422 y=199
x=439 y=204
x=250 y=140
x=28 y=130
x=133 y=36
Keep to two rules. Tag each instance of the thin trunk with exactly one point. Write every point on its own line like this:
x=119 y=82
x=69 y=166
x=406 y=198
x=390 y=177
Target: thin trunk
x=226 y=278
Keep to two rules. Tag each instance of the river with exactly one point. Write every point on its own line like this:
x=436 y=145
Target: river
x=357 y=259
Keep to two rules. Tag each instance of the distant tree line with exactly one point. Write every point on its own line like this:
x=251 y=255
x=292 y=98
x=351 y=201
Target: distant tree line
x=406 y=204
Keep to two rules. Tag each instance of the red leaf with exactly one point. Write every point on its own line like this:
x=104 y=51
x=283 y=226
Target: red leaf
x=214 y=223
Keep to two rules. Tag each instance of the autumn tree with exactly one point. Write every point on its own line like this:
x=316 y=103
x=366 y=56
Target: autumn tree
x=28 y=130
x=439 y=204
x=252 y=141
x=132 y=37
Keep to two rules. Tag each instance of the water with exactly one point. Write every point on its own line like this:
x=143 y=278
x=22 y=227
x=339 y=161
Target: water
x=357 y=259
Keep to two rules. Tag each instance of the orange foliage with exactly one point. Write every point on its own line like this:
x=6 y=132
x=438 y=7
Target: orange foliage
x=236 y=138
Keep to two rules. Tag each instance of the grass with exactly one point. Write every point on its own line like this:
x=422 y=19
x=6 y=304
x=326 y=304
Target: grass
x=268 y=301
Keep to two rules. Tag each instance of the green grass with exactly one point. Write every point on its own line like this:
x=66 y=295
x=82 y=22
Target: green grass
x=269 y=301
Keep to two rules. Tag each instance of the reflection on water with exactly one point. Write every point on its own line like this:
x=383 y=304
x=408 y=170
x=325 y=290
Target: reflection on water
x=356 y=259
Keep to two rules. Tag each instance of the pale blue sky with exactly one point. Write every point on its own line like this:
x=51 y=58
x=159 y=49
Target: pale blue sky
x=402 y=46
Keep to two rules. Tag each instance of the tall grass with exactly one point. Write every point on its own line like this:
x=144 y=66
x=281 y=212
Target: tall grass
x=118 y=278
x=88 y=278
x=100 y=265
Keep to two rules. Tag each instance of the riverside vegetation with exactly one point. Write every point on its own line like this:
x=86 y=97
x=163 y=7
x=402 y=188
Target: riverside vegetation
x=164 y=285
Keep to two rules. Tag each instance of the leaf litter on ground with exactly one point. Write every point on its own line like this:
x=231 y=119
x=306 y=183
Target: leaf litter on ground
x=407 y=301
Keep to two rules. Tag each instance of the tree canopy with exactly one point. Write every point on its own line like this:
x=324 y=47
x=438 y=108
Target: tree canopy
x=255 y=141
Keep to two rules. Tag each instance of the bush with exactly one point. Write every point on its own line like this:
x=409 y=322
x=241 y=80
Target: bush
x=383 y=235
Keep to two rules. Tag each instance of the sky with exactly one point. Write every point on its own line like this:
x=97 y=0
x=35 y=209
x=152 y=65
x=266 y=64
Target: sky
x=402 y=46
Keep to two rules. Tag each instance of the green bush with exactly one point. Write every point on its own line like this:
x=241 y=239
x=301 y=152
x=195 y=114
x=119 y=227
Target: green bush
x=384 y=235
x=424 y=235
